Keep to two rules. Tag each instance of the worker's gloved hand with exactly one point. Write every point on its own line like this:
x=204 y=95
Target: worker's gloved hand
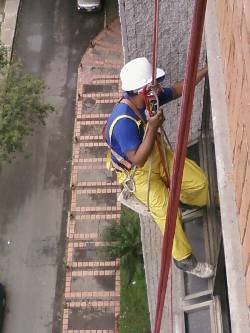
x=156 y=121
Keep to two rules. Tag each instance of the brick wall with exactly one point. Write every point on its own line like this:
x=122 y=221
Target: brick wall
x=233 y=18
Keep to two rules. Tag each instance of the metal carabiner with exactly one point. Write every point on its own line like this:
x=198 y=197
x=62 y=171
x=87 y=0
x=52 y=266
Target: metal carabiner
x=129 y=184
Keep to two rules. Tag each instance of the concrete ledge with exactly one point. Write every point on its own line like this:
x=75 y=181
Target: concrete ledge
x=230 y=227
x=8 y=27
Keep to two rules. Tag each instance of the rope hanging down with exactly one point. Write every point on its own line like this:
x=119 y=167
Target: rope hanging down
x=153 y=88
x=180 y=151
x=155 y=42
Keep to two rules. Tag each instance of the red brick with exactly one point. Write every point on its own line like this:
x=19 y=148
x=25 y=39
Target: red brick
x=245 y=44
x=240 y=172
x=248 y=285
x=236 y=20
x=237 y=141
x=220 y=8
x=246 y=248
x=245 y=206
x=233 y=125
x=239 y=6
x=245 y=112
x=246 y=6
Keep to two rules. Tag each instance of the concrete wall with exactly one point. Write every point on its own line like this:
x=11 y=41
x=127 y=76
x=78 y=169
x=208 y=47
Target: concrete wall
x=174 y=26
x=137 y=23
x=234 y=30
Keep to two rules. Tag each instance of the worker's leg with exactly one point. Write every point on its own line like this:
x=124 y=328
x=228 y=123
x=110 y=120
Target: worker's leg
x=158 y=208
x=158 y=201
x=194 y=188
x=182 y=251
x=194 y=192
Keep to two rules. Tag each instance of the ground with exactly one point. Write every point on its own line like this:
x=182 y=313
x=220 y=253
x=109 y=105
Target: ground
x=50 y=40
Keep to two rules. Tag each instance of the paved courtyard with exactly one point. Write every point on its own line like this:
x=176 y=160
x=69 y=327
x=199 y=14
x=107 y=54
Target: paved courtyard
x=92 y=286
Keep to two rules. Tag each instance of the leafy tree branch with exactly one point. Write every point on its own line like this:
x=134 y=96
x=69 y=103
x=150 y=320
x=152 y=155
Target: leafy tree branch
x=21 y=106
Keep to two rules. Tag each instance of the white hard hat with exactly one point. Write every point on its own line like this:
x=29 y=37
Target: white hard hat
x=137 y=73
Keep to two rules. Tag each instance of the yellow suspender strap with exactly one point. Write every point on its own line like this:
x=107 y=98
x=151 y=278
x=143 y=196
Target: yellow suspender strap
x=138 y=123
x=119 y=158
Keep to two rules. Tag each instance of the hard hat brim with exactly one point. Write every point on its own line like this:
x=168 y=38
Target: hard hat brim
x=159 y=73
x=130 y=87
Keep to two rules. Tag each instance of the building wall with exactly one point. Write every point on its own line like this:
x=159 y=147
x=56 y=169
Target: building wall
x=233 y=17
x=174 y=27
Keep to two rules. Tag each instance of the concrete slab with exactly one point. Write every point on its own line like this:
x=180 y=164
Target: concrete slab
x=89 y=105
x=88 y=254
x=104 y=70
x=96 y=200
x=95 y=175
x=107 y=53
x=91 y=129
x=92 y=152
x=102 y=88
x=90 y=283
x=92 y=319
x=91 y=226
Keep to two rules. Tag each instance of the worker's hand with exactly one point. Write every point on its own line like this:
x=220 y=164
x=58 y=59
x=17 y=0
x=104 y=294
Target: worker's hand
x=201 y=73
x=205 y=68
x=156 y=121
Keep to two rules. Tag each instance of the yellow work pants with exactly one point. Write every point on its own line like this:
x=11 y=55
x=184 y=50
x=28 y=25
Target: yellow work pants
x=194 y=191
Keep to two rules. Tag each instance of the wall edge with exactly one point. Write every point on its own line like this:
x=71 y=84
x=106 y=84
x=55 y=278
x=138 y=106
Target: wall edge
x=230 y=227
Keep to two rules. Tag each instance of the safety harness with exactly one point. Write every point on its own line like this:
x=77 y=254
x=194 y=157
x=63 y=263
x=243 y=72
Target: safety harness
x=124 y=165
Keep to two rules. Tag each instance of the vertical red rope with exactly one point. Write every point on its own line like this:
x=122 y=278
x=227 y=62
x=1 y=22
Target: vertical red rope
x=180 y=153
x=155 y=42
x=158 y=142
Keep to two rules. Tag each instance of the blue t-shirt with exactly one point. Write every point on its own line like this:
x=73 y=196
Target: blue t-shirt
x=126 y=135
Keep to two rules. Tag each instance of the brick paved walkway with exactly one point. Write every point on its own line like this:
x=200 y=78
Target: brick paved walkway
x=92 y=287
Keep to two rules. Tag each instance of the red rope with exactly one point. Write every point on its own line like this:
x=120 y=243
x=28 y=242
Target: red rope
x=155 y=42
x=180 y=153
x=158 y=141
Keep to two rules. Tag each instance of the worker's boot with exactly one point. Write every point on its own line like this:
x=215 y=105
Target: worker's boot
x=192 y=266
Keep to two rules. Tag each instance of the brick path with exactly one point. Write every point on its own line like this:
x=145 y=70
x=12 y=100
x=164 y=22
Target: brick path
x=92 y=286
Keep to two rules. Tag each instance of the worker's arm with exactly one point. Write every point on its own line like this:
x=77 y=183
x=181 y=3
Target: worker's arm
x=141 y=154
x=177 y=87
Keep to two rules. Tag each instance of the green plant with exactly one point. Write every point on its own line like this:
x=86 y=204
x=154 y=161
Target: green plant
x=3 y=56
x=125 y=243
x=21 y=107
x=134 y=315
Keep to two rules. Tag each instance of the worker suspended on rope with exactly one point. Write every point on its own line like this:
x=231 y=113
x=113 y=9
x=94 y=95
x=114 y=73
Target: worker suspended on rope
x=131 y=149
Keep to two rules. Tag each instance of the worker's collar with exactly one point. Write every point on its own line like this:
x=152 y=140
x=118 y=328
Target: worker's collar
x=127 y=96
